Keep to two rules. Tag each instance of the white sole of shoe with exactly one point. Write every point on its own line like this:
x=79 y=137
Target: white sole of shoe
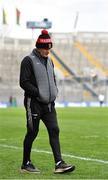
x=68 y=169
x=32 y=172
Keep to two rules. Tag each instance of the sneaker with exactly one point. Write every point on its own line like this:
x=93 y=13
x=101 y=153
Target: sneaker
x=62 y=167
x=30 y=168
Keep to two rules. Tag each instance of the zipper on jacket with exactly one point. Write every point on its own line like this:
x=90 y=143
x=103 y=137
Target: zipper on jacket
x=49 y=85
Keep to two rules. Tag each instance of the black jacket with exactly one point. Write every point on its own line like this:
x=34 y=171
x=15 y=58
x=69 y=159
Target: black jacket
x=27 y=78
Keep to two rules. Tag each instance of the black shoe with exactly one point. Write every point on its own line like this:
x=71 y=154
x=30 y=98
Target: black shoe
x=62 y=167
x=30 y=168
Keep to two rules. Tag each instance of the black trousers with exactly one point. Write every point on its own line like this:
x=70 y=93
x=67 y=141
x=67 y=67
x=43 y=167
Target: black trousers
x=47 y=113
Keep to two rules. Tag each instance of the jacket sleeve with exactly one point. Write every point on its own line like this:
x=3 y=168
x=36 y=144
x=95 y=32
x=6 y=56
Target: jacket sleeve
x=26 y=77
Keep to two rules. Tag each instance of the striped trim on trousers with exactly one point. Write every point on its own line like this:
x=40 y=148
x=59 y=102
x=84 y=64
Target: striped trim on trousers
x=30 y=122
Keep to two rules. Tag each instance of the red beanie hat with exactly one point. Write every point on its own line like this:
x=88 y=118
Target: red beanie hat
x=44 y=40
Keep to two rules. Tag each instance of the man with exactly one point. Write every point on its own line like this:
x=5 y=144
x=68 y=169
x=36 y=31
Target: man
x=38 y=81
x=101 y=99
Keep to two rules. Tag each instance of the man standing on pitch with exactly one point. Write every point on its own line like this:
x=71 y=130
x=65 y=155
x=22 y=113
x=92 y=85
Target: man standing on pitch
x=38 y=82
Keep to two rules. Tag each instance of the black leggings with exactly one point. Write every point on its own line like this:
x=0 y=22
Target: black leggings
x=34 y=112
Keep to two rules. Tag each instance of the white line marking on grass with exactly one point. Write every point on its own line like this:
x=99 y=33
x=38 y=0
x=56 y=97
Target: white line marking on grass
x=65 y=155
x=2 y=139
x=93 y=136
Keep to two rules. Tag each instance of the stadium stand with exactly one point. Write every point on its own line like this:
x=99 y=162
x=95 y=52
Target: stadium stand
x=84 y=53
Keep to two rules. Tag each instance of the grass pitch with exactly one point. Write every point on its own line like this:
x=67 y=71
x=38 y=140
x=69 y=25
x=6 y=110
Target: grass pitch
x=83 y=137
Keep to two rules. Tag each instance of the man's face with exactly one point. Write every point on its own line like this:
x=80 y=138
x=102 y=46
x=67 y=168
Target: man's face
x=44 y=52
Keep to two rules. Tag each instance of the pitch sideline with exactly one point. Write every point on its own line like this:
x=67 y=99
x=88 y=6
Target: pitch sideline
x=65 y=155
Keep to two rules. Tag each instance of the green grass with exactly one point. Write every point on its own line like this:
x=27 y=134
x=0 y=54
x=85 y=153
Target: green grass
x=83 y=133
